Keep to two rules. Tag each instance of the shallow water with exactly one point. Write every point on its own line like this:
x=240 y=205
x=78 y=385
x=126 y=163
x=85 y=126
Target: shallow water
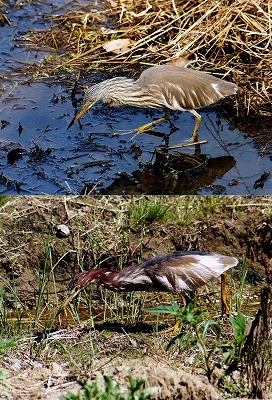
x=39 y=156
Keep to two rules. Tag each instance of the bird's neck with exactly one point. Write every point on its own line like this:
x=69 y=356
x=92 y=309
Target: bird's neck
x=123 y=91
x=128 y=279
x=101 y=276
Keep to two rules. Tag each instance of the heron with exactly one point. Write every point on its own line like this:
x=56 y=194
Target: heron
x=170 y=87
x=177 y=271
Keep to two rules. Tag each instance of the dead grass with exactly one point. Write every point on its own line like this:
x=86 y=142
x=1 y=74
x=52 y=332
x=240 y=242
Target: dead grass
x=230 y=39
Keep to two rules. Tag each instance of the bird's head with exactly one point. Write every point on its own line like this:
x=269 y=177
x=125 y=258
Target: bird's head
x=78 y=283
x=112 y=91
x=92 y=95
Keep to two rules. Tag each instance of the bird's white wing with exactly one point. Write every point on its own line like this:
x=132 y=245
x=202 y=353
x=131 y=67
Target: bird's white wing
x=183 y=271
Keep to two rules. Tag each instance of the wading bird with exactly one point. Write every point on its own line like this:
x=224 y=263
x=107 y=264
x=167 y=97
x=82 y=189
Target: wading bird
x=171 y=87
x=174 y=272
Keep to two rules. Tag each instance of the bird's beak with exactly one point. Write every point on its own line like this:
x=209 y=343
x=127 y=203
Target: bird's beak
x=81 y=112
x=70 y=295
x=84 y=108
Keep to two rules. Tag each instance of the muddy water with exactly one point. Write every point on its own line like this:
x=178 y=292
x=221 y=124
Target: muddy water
x=38 y=155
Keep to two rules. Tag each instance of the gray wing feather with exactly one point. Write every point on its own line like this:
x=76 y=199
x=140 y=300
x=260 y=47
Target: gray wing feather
x=182 y=88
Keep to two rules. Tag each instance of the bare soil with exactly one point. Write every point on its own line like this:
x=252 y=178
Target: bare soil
x=101 y=234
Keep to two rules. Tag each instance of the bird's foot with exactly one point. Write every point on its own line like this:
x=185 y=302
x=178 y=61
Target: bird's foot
x=142 y=129
x=173 y=330
x=135 y=131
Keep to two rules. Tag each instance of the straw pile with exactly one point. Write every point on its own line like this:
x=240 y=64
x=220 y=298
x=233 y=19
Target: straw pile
x=232 y=39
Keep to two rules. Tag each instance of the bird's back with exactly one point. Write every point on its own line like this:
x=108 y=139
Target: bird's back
x=181 y=88
x=176 y=271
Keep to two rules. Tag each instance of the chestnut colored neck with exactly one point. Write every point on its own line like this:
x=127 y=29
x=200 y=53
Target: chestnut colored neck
x=100 y=276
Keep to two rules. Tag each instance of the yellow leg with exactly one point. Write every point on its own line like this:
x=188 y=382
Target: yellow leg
x=225 y=307
x=173 y=330
x=146 y=127
x=197 y=123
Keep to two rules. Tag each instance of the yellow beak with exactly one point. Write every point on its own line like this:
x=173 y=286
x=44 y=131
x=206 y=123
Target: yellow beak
x=84 y=108
x=71 y=294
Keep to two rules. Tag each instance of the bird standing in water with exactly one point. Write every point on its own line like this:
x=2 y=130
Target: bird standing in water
x=171 y=87
x=174 y=272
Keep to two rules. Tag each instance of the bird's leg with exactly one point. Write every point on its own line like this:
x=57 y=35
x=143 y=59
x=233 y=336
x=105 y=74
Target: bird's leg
x=197 y=123
x=194 y=137
x=189 y=297
x=225 y=307
x=147 y=127
x=173 y=330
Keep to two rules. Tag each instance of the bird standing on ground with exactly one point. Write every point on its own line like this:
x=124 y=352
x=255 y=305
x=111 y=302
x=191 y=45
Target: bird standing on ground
x=170 y=86
x=173 y=272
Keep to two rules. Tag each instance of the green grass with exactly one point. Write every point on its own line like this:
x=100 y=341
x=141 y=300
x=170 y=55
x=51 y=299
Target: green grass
x=3 y=200
x=147 y=210
x=105 y=388
x=175 y=209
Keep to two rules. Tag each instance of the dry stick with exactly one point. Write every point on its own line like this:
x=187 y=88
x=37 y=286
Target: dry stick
x=185 y=33
x=227 y=28
x=139 y=43
x=211 y=28
x=198 y=22
x=177 y=39
x=179 y=146
x=175 y=8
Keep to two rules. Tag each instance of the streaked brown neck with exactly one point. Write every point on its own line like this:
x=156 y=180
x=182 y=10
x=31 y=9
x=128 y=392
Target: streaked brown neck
x=100 y=276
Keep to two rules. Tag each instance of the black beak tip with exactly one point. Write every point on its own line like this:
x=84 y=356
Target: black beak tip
x=71 y=123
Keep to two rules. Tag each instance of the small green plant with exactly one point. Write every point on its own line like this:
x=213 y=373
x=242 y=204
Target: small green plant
x=6 y=344
x=109 y=389
x=233 y=351
x=232 y=355
x=3 y=200
x=192 y=317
